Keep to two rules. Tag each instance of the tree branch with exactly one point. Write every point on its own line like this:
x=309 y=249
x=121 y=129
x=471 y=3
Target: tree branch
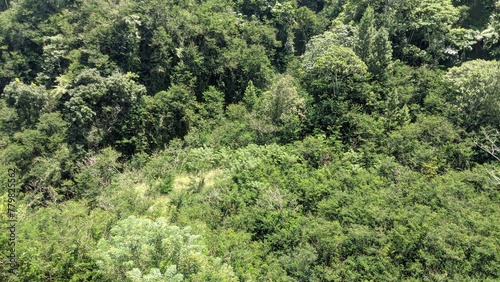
x=491 y=148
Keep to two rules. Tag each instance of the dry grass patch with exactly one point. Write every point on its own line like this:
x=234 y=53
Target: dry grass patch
x=183 y=181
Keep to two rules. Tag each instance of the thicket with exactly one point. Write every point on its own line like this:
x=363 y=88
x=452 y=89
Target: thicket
x=251 y=140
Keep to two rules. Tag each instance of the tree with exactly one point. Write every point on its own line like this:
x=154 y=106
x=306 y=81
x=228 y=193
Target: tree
x=284 y=20
x=43 y=159
x=137 y=246
x=428 y=30
x=242 y=64
x=475 y=99
x=29 y=102
x=333 y=75
x=307 y=26
x=213 y=104
x=342 y=34
x=168 y=115
x=235 y=131
x=493 y=149
x=56 y=242
x=491 y=35
x=251 y=96
x=365 y=46
x=123 y=43
x=8 y=118
x=55 y=50
x=430 y=145
x=99 y=110
x=281 y=110
x=331 y=69
x=94 y=173
x=373 y=46
x=383 y=52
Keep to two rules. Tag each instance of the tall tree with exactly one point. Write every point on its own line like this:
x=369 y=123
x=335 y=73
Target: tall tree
x=373 y=46
x=366 y=37
x=383 y=52
x=333 y=76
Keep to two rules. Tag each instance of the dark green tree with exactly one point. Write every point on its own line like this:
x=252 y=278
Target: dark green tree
x=29 y=102
x=168 y=115
x=100 y=110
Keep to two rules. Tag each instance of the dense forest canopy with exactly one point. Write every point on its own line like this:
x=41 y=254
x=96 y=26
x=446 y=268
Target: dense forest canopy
x=250 y=140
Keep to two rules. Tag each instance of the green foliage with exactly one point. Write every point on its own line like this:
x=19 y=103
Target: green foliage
x=346 y=230
x=334 y=76
x=475 y=96
x=342 y=34
x=383 y=52
x=373 y=46
x=302 y=140
x=433 y=20
x=29 y=102
x=213 y=104
x=429 y=145
x=366 y=36
x=251 y=96
x=166 y=252
x=8 y=117
x=95 y=173
x=99 y=110
x=55 y=51
x=280 y=111
x=236 y=130
x=123 y=42
x=56 y=242
x=42 y=157
x=307 y=26
x=331 y=69
x=159 y=173
x=491 y=34
x=168 y=115
x=477 y=12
